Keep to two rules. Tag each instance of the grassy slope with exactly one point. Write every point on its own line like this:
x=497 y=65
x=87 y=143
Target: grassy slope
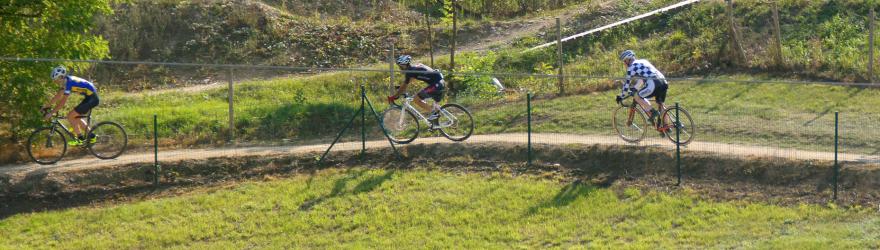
x=302 y=108
x=359 y=208
x=782 y=115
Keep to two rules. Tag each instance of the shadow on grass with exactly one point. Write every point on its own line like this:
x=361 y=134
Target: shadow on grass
x=304 y=121
x=564 y=197
x=834 y=105
x=339 y=187
x=736 y=96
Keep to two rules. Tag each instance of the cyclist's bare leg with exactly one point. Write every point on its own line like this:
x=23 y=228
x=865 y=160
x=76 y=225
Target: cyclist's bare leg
x=663 y=107
x=646 y=105
x=423 y=107
x=77 y=123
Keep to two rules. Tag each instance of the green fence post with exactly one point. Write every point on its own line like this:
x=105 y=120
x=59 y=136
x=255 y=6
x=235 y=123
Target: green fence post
x=677 y=145
x=156 y=167
x=529 y=121
x=836 y=166
x=363 y=123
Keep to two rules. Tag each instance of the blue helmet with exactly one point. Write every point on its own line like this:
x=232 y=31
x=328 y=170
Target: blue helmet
x=404 y=59
x=627 y=54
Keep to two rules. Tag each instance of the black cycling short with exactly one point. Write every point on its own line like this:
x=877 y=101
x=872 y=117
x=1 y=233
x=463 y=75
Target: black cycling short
x=87 y=104
x=660 y=88
x=434 y=91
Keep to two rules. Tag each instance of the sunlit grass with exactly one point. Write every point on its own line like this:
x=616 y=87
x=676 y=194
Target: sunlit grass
x=359 y=208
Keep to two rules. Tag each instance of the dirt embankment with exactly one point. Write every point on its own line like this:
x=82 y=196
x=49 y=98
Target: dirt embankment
x=711 y=176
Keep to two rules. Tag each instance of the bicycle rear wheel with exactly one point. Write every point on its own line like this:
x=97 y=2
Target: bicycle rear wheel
x=630 y=124
x=47 y=145
x=110 y=140
x=683 y=121
x=456 y=122
x=400 y=125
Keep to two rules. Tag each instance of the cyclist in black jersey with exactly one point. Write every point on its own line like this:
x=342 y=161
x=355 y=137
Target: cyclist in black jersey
x=435 y=90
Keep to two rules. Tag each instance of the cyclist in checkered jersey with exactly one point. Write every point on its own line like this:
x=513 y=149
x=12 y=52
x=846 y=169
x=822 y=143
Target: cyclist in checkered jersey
x=655 y=84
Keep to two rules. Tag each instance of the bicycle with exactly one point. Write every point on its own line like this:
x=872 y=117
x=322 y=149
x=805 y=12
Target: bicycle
x=47 y=145
x=401 y=122
x=631 y=123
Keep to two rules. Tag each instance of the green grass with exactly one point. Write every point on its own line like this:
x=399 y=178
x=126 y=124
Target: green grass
x=358 y=208
x=779 y=115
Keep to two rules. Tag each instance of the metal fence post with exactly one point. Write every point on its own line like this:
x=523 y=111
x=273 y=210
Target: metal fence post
x=230 y=95
x=836 y=166
x=156 y=167
x=677 y=145
x=559 y=62
x=529 y=121
x=363 y=122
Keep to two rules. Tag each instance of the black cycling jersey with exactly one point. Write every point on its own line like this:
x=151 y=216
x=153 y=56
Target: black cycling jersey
x=431 y=76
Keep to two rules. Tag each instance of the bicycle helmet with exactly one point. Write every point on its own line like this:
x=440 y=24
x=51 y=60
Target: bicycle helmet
x=58 y=72
x=404 y=59
x=627 y=54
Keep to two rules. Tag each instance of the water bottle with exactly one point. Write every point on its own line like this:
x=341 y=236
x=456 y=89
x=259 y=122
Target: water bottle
x=497 y=84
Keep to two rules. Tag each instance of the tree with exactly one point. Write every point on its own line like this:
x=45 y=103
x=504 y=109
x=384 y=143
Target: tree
x=42 y=29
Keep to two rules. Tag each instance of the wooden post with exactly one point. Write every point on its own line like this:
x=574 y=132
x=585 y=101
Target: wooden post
x=230 y=95
x=736 y=47
x=391 y=62
x=871 y=45
x=559 y=62
x=430 y=32
x=779 y=62
x=452 y=48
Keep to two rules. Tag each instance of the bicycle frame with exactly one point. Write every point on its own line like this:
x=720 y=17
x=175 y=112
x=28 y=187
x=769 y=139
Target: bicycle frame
x=408 y=106
x=634 y=107
x=56 y=121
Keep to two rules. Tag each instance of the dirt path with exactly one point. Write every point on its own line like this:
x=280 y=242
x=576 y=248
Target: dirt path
x=514 y=138
x=529 y=27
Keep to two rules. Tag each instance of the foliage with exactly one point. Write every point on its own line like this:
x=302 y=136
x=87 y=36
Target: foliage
x=42 y=29
x=488 y=9
x=474 y=85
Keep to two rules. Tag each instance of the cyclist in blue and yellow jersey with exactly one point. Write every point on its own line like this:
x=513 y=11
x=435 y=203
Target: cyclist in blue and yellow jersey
x=435 y=89
x=655 y=83
x=72 y=84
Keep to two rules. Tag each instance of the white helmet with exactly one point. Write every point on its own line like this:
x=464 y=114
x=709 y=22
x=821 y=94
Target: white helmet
x=627 y=54
x=404 y=59
x=58 y=72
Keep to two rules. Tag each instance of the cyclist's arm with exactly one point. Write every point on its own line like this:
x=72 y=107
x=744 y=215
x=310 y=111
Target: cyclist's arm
x=54 y=100
x=61 y=102
x=403 y=86
x=626 y=83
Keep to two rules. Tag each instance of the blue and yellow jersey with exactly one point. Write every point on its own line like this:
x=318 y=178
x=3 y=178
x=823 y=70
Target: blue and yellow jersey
x=79 y=85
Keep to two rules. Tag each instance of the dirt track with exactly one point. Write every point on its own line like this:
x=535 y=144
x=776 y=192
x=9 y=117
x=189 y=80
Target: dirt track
x=516 y=138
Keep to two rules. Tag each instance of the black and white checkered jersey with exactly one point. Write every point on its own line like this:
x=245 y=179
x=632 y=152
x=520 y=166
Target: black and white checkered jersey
x=640 y=68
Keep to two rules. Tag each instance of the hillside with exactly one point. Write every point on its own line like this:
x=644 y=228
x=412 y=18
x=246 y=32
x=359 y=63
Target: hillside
x=286 y=33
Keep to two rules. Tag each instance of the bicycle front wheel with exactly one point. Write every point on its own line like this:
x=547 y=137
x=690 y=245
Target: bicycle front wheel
x=401 y=125
x=110 y=140
x=683 y=122
x=630 y=124
x=455 y=122
x=47 y=145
